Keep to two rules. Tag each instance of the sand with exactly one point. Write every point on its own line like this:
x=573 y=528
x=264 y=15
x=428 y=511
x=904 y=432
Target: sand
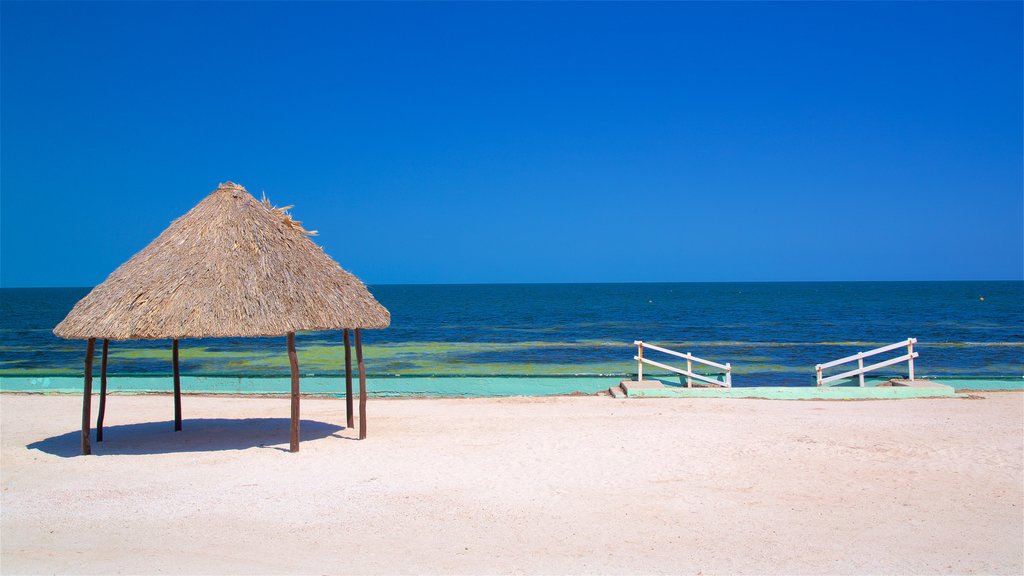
x=522 y=485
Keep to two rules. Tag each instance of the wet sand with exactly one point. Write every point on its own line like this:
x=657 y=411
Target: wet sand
x=574 y=485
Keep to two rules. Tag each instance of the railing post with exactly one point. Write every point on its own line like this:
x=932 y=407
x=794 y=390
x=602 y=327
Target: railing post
x=910 y=351
x=689 y=372
x=640 y=361
x=818 y=369
x=860 y=366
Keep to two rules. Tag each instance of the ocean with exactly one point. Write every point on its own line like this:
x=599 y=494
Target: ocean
x=773 y=334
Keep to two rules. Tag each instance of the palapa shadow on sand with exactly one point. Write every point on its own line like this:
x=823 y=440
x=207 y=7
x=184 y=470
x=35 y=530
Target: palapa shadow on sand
x=199 y=435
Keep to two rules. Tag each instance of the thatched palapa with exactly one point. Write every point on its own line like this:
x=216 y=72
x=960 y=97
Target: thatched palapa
x=233 y=266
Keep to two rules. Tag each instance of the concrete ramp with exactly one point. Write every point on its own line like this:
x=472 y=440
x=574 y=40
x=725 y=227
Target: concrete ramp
x=636 y=388
x=892 y=389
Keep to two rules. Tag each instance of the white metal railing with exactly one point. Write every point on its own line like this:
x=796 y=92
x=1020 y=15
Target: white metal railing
x=862 y=369
x=690 y=359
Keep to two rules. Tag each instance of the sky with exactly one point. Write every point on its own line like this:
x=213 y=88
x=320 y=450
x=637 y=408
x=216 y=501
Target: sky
x=536 y=142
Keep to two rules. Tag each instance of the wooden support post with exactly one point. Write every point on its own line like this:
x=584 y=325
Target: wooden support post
x=362 y=385
x=728 y=374
x=293 y=358
x=177 y=385
x=689 y=368
x=103 y=392
x=349 y=422
x=90 y=350
x=910 y=350
x=860 y=366
x=818 y=370
x=640 y=361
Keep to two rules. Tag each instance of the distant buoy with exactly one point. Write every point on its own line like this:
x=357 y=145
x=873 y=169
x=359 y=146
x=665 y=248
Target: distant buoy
x=982 y=298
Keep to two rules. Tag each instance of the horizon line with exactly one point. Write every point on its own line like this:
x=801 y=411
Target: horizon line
x=605 y=283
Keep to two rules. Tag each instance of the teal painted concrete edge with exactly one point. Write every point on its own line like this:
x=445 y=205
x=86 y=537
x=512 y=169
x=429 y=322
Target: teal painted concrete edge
x=325 y=385
x=796 y=393
x=463 y=386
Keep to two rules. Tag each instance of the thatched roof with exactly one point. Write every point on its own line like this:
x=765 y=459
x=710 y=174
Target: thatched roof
x=231 y=266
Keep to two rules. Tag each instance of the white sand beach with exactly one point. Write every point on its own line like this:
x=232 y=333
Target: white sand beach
x=517 y=486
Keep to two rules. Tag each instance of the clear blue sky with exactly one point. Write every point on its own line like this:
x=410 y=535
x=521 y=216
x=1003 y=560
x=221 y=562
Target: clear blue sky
x=525 y=142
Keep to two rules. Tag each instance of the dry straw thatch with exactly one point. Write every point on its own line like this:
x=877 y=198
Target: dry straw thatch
x=231 y=266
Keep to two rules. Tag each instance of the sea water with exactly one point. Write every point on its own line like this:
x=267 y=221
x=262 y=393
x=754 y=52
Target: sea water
x=499 y=336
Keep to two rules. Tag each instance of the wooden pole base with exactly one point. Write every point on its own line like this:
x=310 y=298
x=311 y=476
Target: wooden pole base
x=362 y=385
x=103 y=392
x=90 y=350
x=294 y=361
x=177 y=386
x=349 y=421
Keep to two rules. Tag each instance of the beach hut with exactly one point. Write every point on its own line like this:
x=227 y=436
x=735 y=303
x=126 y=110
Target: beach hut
x=232 y=266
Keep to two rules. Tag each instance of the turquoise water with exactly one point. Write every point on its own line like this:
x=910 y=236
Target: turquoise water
x=324 y=385
x=500 y=337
